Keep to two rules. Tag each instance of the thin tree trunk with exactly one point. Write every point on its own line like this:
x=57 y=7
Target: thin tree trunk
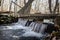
x=26 y=6
x=10 y=6
x=24 y=1
x=49 y=1
x=56 y=6
x=15 y=8
x=2 y=1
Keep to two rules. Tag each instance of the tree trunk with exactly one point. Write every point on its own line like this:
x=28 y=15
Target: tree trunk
x=49 y=1
x=56 y=6
x=24 y=1
x=26 y=6
x=27 y=11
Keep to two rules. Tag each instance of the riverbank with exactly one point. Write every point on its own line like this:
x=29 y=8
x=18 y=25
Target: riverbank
x=5 y=19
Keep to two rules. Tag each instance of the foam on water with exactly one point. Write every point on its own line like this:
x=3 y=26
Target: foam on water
x=15 y=29
x=19 y=25
x=32 y=34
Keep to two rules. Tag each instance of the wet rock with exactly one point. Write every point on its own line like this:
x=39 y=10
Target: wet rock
x=28 y=23
x=50 y=28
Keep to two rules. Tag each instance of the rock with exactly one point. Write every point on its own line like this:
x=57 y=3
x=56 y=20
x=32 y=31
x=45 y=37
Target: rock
x=5 y=19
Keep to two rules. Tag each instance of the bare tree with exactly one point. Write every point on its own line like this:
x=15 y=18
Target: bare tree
x=49 y=1
x=26 y=6
x=56 y=6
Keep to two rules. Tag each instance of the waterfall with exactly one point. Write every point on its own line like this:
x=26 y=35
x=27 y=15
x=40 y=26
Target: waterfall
x=32 y=25
x=19 y=25
x=43 y=27
x=16 y=30
x=37 y=27
x=22 y=21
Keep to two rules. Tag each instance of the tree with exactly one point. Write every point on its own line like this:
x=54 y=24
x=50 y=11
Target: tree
x=49 y=1
x=56 y=6
x=26 y=6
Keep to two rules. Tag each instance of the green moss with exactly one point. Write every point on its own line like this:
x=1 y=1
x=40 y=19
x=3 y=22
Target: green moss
x=5 y=19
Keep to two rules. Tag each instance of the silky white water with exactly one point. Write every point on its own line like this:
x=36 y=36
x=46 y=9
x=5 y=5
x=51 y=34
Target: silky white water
x=16 y=30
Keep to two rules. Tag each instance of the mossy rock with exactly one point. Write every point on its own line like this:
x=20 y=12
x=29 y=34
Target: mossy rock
x=5 y=19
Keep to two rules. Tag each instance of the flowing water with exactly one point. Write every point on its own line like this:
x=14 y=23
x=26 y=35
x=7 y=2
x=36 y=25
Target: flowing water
x=16 y=30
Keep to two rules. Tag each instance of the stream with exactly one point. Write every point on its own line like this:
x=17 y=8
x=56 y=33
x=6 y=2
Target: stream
x=19 y=31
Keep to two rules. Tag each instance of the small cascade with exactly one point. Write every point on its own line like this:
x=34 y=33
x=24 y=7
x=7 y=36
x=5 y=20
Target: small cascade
x=22 y=21
x=32 y=25
x=43 y=27
x=28 y=23
x=37 y=27
x=16 y=30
